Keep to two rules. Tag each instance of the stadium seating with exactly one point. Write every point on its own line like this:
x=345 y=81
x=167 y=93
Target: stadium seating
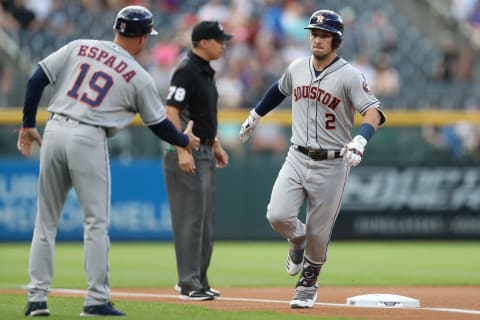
x=413 y=57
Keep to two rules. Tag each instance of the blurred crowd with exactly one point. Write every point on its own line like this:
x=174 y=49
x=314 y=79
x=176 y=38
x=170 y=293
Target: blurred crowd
x=467 y=11
x=268 y=35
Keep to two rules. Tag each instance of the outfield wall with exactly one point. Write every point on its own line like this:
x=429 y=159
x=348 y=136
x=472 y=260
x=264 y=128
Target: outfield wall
x=379 y=203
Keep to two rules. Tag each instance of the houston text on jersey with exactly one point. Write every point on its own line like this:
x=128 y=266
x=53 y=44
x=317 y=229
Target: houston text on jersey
x=317 y=94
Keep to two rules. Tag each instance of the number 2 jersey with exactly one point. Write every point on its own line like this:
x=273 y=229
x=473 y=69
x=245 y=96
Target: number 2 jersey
x=100 y=83
x=324 y=104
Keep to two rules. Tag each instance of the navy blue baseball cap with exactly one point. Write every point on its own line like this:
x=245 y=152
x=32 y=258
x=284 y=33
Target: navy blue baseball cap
x=209 y=30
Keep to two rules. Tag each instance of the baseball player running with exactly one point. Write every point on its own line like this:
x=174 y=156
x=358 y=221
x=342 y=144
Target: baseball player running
x=326 y=93
x=98 y=87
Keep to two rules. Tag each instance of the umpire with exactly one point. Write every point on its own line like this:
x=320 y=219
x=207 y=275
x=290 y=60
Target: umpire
x=190 y=176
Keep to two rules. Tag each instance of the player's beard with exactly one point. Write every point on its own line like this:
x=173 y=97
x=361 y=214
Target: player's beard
x=322 y=56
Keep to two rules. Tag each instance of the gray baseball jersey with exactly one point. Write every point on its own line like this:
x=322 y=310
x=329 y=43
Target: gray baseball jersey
x=324 y=106
x=100 y=83
x=323 y=110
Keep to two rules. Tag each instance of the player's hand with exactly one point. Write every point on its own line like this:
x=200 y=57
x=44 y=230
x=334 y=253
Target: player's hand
x=248 y=126
x=26 y=136
x=193 y=140
x=352 y=153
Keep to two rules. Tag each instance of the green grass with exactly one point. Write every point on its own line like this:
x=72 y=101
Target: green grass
x=253 y=264
x=70 y=308
x=242 y=264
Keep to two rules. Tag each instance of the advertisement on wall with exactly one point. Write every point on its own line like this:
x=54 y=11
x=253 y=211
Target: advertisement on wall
x=139 y=208
x=378 y=203
x=419 y=202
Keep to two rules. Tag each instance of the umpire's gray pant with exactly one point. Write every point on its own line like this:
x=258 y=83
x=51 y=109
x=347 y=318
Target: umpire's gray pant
x=191 y=198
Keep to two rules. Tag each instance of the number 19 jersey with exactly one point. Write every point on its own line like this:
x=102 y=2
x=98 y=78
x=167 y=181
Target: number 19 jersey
x=100 y=83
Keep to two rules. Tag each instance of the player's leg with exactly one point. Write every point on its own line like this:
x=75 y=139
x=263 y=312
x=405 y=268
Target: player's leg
x=53 y=186
x=285 y=201
x=324 y=194
x=90 y=171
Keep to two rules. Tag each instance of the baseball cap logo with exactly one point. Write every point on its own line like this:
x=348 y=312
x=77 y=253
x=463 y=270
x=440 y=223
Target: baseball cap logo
x=123 y=25
x=317 y=19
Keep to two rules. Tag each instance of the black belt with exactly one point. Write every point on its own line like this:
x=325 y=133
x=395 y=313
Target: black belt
x=57 y=116
x=207 y=141
x=318 y=154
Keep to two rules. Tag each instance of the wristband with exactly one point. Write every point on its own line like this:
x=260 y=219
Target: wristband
x=366 y=130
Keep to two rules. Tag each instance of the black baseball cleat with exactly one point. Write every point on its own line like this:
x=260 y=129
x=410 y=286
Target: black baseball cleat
x=37 y=309
x=106 y=309
x=196 y=295
x=213 y=292
x=209 y=290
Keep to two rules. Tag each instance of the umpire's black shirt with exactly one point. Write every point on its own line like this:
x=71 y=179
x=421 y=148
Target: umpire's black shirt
x=193 y=91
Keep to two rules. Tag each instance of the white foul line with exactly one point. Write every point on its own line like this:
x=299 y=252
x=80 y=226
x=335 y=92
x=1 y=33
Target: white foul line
x=173 y=296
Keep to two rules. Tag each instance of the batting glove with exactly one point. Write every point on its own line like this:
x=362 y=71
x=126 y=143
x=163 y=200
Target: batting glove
x=248 y=127
x=352 y=153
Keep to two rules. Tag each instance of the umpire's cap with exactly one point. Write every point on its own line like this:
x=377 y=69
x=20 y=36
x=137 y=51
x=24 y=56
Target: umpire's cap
x=209 y=30
x=134 y=21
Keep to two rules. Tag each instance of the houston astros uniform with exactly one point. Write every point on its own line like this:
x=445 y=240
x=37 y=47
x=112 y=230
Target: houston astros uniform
x=323 y=110
x=75 y=154
x=98 y=87
x=324 y=103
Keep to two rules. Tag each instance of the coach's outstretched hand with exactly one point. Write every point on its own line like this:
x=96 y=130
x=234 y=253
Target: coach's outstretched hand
x=193 y=140
x=26 y=136
x=352 y=153
x=248 y=126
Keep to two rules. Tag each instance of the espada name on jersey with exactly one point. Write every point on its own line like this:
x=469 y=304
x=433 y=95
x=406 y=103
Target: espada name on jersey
x=109 y=60
x=317 y=94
